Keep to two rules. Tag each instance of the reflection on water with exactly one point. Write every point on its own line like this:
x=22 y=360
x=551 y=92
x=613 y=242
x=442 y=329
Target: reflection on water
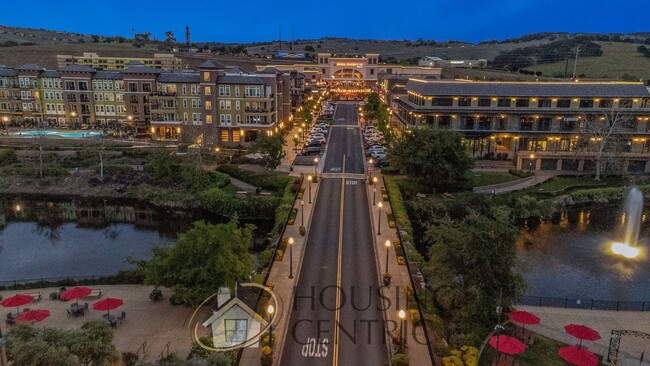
x=45 y=239
x=570 y=256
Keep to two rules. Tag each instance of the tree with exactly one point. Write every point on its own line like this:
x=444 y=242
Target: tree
x=372 y=106
x=472 y=266
x=309 y=48
x=170 y=40
x=204 y=258
x=141 y=39
x=92 y=345
x=606 y=136
x=271 y=148
x=436 y=159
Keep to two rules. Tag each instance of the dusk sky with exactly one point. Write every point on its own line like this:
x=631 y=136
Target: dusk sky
x=249 y=21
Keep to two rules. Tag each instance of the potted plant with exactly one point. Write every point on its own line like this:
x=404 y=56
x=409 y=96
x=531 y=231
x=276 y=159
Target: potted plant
x=302 y=230
x=156 y=294
x=387 y=277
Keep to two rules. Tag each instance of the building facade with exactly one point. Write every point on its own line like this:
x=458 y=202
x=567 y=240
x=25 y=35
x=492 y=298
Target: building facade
x=537 y=125
x=211 y=105
x=162 y=61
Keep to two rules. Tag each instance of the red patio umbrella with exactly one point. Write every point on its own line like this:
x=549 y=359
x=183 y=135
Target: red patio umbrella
x=506 y=344
x=16 y=301
x=578 y=356
x=524 y=318
x=108 y=304
x=582 y=332
x=33 y=316
x=76 y=293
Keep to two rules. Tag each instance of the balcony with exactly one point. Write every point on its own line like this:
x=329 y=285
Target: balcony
x=258 y=110
x=163 y=94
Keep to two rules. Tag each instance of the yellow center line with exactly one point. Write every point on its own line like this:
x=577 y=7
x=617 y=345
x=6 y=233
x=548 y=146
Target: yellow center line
x=335 y=357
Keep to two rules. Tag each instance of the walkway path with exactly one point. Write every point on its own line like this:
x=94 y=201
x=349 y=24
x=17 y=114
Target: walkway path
x=156 y=323
x=554 y=320
x=517 y=185
x=418 y=352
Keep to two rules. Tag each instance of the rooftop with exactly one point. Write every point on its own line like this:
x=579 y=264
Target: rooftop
x=527 y=89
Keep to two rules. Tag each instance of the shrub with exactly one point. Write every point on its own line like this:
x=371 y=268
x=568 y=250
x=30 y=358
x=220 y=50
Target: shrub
x=384 y=194
x=292 y=216
x=391 y=219
x=399 y=250
x=415 y=317
x=129 y=358
x=116 y=169
x=273 y=182
x=279 y=255
x=400 y=359
x=266 y=256
x=267 y=356
x=521 y=173
x=302 y=230
x=7 y=156
x=401 y=261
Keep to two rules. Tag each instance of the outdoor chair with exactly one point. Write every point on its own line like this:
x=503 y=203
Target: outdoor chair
x=122 y=317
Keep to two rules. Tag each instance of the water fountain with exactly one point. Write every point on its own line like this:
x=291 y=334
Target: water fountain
x=633 y=210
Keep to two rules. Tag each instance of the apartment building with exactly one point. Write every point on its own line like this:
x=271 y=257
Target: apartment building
x=536 y=125
x=214 y=104
x=161 y=61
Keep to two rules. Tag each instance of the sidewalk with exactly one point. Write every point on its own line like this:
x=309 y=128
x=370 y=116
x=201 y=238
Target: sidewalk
x=631 y=348
x=417 y=349
x=517 y=185
x=279 y=277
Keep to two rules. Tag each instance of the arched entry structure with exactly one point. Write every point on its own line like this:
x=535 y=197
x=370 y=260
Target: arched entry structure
x=615 y=342
x=349 y=84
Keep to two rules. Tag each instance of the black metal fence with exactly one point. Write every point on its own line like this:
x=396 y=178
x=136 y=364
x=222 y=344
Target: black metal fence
x=125 y=277
x=591 y=304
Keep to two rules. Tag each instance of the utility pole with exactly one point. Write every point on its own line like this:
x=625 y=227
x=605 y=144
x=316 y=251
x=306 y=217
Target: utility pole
x=292 y=36
x=575 y=64
x=566 y=67
x=280 y=41
x=187 y=35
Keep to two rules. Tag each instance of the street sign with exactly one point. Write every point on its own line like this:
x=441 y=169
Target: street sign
x=370 y=169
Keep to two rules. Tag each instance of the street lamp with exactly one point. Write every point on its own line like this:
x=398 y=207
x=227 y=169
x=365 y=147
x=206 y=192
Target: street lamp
x=370 y=162
x=387 y=251
x=290 y=241
x=309 y=178
x=302 y=212
x=270 y=310
x=316 y=167
x=380 y=205
x=401 y=315
x=530 y=162
x=374 y=193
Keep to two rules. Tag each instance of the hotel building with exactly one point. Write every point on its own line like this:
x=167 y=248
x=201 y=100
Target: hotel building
x=536 y=125
x=158 y=61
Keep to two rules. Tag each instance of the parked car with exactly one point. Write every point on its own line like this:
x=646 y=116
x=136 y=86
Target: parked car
x=381 y=162
x=378 y=155
x=317 y=135
x=377 y=148
x=320 y=140
x=310 y=150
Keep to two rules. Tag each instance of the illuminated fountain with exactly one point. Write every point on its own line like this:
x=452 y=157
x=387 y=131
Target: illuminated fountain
x=632 y=216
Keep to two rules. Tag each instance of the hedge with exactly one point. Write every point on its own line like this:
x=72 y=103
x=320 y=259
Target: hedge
x=284 y=207
x=224 y=204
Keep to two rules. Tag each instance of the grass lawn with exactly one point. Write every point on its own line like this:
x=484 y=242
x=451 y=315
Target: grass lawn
x=583 y=181
x=544 y=351
x=618 y=59
x=480 y=179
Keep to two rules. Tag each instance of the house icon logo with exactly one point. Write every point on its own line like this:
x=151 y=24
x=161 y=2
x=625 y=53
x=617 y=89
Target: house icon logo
x=234 y=323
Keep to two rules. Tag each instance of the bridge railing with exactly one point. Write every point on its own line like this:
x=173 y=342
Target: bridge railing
x=591 y=304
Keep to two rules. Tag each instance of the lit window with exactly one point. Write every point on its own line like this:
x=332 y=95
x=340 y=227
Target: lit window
x=206 y=76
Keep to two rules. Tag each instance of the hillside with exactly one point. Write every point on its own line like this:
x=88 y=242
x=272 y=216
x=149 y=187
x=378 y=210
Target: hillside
x=619 y=61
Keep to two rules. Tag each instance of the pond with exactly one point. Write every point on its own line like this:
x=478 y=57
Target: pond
x=50 y=239
x=570 y=256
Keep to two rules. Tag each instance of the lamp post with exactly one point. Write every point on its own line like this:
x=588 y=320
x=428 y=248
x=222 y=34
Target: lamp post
x=379 y=219
x=309 y=178
x=370 y=162
x=316 y=167
x=530 y=163
x=387 y=251
x=401 y=315
x=302 y=212
x=270 y=310
x=290 y=241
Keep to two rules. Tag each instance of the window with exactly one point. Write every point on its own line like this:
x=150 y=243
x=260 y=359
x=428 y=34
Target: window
x=206 y=76
x=484 y=102
x=464 y=102
x=184 y=89
x=184 y=103
x=146 y=87
x=208 y=118
x=134 y=99
x=503 y=102
x=228 y=105
x=526 y=123
x=485 y=123
x=236 y=90
x=238 y=119
x=224 y=90
x=522 y=103
x=185 y=117
x=563 y=103
x=625 y=103
x=207 y=90
x=70 y=85
x=133 y=87
x=193 y=89
x=586 y=103
x=544 y=124
x=252 y=91
x=446 y=102
x=237 y=103
x=236 y=135
x=109 y=97
x=544 y=103
x=468 y=123
x=605 y=103
x=208 y=105
x=568 y=124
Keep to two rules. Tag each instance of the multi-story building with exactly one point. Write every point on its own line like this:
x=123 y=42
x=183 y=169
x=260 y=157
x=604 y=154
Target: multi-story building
x=158 y=61
x=214 y=104
x=538 y=125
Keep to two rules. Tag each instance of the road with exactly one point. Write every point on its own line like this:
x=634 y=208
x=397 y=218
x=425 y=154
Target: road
x=326 y=326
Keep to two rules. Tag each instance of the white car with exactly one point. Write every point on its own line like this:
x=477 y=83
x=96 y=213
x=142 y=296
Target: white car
x=378 y=155
x=317 y=135
x=318 y=130
x=320 y=140
x=378 y=148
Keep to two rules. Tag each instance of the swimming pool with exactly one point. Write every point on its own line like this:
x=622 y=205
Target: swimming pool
x=64 y=134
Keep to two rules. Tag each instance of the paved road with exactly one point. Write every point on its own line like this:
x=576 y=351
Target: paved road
x=339 y=254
